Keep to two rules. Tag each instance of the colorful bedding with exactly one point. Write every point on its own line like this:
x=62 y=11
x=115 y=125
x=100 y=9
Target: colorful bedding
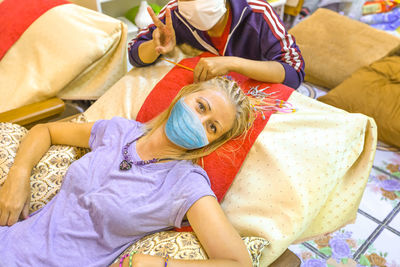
x=51 y=48
x=303 y=176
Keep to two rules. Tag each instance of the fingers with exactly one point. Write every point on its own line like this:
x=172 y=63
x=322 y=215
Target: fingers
x=203 y=75
x=5 y=214
x=155 y=19
x=198 y=70
x=202 y=71
x=13 y=217
x=9 y=215
x=164 y=34
x=4 y=217
x=168 y=20
x=156 y=40
x=161 y=50
x=25 y=210
x=208 y=68
x=10 y=206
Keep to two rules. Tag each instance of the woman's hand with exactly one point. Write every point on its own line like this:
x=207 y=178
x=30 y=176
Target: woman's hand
x=216 y=234
x=210 y=67
x=15 y=192
x=164 y=34
x=14 y=197
x=263 y=71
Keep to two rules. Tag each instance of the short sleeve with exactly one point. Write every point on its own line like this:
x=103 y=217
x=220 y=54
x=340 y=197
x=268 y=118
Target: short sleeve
x=97 y=133
x=107 y=132
x=192 y=187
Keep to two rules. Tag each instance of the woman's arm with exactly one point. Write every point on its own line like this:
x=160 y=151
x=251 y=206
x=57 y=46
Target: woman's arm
x=15 y=192
x=264 y=71
x=218 y=237
x=220 y=240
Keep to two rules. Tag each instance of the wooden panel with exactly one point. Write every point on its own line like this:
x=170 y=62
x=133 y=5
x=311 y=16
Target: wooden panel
x=33 y=112
x=294 y=10
x=287 y=259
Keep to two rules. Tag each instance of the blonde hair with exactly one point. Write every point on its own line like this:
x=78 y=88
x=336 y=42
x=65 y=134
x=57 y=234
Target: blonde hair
x=244 y=116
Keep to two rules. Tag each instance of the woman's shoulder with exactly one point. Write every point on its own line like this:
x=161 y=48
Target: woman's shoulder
x=121 y=124
x=115 y=126
x=191 y=172
x=124 y=121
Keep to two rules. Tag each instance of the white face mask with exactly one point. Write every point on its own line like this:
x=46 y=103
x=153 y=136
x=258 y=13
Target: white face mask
x=202 y=14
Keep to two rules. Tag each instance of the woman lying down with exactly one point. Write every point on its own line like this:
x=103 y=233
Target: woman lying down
x=137 y=179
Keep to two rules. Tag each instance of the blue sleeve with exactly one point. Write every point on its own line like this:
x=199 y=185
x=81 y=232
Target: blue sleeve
x=278 y=45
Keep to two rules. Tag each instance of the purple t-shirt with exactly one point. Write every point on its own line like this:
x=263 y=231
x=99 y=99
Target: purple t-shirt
x=101 y=210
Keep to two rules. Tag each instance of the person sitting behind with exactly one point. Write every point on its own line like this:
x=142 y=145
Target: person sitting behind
x=138 y=179
x=247 y=35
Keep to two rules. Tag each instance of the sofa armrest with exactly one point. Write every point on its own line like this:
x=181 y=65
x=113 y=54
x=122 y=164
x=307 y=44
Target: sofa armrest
x=33 y=112
x=287 y=259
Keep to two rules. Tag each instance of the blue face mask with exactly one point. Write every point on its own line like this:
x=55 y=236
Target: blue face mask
x=184 y=128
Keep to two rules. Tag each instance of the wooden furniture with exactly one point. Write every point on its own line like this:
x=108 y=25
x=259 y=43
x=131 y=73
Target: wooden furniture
x=287 y=259
x=34 y=112
x=293 y=7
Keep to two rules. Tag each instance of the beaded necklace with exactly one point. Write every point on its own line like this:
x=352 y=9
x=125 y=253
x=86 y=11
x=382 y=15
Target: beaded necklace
x=126 y=163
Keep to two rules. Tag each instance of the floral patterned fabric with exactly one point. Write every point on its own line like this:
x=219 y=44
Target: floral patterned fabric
x=46 y=180
x=185 y=245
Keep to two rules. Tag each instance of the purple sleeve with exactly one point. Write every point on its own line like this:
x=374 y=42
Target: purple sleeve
x=192 y=187
x=97 y=133
x=279 y=45
x=105 y=130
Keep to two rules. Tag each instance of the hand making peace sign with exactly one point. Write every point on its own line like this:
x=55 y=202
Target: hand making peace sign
x=164 y=34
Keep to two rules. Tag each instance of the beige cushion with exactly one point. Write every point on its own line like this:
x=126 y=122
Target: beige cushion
x=334 y=46
x=374 y=91
x=70 y=51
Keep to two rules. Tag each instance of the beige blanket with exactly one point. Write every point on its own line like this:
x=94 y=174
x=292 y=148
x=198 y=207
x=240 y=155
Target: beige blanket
x=303 y=177
x=70 y=51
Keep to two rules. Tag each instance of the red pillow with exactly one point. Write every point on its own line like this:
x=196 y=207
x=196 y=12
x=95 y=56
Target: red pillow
x=222 y=165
